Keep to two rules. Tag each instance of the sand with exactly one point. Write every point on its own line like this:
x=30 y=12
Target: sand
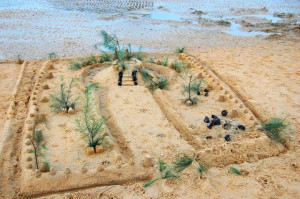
x=258 y=77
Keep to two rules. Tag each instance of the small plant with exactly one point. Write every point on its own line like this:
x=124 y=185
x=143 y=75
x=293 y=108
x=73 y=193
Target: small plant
x=178 y=66
x=192 y=86
x=62 y=101
x=52 y=55
x=180 y=50
x=165 y=172
x=182 y=163
x=75 y=65
x=139 y=54
x=91 y=60
x=151 y=60
x=105 y=57
x=276 y=129
x=19 y=60
x=202 y=168
x=163 y=83
x=110 y=42
x=165 y=62
x=36 y=140
x=91 y=126
x=47 y=166
x=235 y=170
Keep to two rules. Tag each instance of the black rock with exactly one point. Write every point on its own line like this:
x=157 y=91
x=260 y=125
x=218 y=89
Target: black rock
x=198 y=93
x=206 y=90
x=135 y=83
x=224 y=113
x=120 y=83
x=208 y=137
x=216 y=121
x=206 y=119
x=120 y=74
x=214 y=116
x=227 y=138
x=210 y=125
x=120 y=79
x=242 y=127
x=134 y=78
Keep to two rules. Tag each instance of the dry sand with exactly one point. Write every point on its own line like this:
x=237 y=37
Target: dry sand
x=258 y=76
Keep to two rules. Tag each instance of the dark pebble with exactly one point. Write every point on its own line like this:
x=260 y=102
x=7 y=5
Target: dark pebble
x=206 y=119
x=242 y=127
x=208 y=137
x=216 y=121
x=224 y=113
x=206 y=90
x=227 y=138
x=214 y=116
x=198 y=93
x=210 y=125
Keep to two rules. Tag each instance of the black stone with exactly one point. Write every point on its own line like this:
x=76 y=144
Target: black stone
x=120 y=74
x=198 y=93
x=120 y=83
x=216 y=121
x=242 y=127
x=214 y=116
x=208 y=137
x=210 y=125
x=224 y=113
x=134 y=78
x=227 y=138
x=206 y=119
x=206 y=90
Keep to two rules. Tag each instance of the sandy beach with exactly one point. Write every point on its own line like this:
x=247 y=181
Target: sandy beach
x=246 y=54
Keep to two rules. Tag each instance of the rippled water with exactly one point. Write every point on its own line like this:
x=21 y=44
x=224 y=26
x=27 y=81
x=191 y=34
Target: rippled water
x=71 y=27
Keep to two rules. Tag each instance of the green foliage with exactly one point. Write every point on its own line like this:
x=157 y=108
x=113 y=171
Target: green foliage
x=191 y=86
x=52 y=55
x=182 y=163
x=165 y=62
x=90 y=125
x=36 y=140
x=276 y=129
x=165 y=172
x=63 y=100
x=47 y=165
x=180 y=50
x=202 y=168
x=151 y=60
x=110 y=42
x=139 y=54
x=235 y=170
x=163 y=83
x=171 y=172
x=179 y=66
x=105 y=57
x=75 y=65
x=91 y=60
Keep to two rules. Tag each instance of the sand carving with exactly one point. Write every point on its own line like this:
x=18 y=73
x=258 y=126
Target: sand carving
x=126 y=159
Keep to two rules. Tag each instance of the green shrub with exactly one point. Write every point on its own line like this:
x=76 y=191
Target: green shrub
x=165 y=62
x=52 y=55
x=235 y=170
x=180 y=50
x=163 y=83
x=75 y=65
x=105 y=57
x=91 y=126
x=63 y=100
x=178 y=66
x=36 y=140
x=276 y=129
x=191 y=86
x=151 y=60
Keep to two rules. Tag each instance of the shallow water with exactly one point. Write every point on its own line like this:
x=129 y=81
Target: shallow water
x=33 y=28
